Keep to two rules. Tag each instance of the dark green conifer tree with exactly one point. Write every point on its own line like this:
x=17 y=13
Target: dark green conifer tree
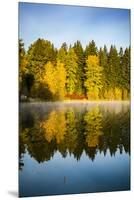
x=126 y=73
x=78 y=49
x=103 y=59
x=91 y=49
x=71 y=69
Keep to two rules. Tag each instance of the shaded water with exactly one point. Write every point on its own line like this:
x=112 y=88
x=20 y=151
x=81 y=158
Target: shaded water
x=67 y=148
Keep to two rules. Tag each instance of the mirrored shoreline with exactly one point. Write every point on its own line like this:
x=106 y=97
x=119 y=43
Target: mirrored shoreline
x=74 y=133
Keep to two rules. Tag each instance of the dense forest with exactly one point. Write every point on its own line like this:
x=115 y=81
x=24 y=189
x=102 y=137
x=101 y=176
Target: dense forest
x=50 y=74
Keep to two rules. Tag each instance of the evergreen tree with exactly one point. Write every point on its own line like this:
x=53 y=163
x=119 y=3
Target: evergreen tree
x=51 y=74
x=93 y=82
x=113 y=75
x=103 y=63
x=71 y=69
x=22 y=54
x=126 y=73
x=39 y=53
x=80 y=70
x=60 y=80
x=91 y=49
x=61 y=55
x=120 y=78
x=26 y=79
x=22 y=64
x=114 y=67
x=121 y=56
x=64 y=46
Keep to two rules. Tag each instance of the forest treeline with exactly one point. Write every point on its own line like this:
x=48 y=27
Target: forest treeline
x=47 y=73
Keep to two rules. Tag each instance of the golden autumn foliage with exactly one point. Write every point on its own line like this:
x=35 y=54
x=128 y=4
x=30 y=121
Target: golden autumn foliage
x=93 y=121
x=50 y=74
x=93 y=81
x=49 y=77
x=118 y=93
x=61 y=80
x=55 y=78
x=55 y=126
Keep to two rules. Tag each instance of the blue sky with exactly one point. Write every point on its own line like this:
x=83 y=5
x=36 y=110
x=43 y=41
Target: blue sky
x=60 y=23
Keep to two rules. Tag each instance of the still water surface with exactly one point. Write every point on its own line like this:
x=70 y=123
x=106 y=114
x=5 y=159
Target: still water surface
x=67 y=148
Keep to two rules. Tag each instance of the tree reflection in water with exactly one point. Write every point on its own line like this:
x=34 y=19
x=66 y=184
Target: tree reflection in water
x=93 y=128
x=72 y=131
x=54 y=127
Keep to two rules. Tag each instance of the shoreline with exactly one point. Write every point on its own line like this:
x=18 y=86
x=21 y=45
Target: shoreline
x=78 y=101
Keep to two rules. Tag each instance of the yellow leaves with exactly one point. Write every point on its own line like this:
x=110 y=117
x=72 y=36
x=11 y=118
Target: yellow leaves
x=50 y=77
x=126 y=94
x=113 y=94
x=93 y=121
x=55 y=78
x=118 y=93
x=93 y=140
x=93 y=81
x=55 y=126
x=22 y=67
x=61 y=80
x=93 y=60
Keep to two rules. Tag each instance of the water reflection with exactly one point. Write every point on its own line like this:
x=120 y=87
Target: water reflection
x=93 y=128
x=54 y=127
x=73 y=130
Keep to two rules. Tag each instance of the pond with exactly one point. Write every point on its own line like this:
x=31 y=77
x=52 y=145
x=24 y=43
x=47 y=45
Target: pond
x=69 y=148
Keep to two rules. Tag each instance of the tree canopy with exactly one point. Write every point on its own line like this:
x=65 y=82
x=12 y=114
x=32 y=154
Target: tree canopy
x=47 y=73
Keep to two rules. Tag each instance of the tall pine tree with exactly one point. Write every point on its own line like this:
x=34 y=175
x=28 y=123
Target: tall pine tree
x=126 y=73
x=71 y=69
x=80 y=70
x=103 y=63
x=91 y=49
x=93 y=82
